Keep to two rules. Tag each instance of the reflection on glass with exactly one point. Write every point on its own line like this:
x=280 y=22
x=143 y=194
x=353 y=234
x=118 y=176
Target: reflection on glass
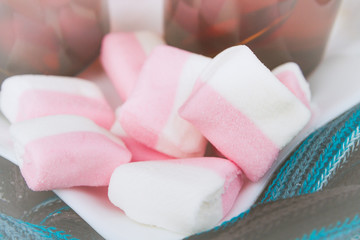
x=276 y=30
x=49 y=37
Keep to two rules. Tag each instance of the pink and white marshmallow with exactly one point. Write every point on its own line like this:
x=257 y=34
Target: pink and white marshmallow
x=123 y=55
x=150 y=115
x=139 y=151
x=183 y=195
x=292 y=77
x=25 y=97
x=64 y=151
x=245 y=111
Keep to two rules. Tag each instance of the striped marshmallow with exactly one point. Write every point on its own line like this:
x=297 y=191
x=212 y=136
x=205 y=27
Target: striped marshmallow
x=292 y=77
x=150 y=115
x=245 y=111
x=183 y=195
x=25 y=97
x=64 y=151
x=123 y=55
x=139 y=151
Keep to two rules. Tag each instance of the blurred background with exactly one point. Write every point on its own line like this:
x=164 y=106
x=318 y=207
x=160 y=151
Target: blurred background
x=58 y=37
x=63 y=37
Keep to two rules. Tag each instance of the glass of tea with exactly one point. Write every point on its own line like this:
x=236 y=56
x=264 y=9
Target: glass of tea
x=277 y=31
x=50 y=36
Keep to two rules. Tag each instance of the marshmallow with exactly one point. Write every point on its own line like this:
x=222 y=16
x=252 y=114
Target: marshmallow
x=30 y=96
x=150 y=115
x=139 y=151
x=245 y=111
x=184 y=195
x=123 y=55
x=64 y=150
x=292 y=77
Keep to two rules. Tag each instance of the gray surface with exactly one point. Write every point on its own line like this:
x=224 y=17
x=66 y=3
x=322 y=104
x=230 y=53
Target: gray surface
x=18 y=202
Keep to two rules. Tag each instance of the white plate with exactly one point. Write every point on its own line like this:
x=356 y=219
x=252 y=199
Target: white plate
x=335 y=87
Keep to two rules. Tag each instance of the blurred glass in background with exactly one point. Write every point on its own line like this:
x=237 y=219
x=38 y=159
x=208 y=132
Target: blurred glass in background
x=277 y=31
x=59 y=37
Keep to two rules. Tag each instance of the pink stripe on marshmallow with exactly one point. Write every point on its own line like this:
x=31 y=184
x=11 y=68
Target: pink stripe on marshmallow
x=250 y=149
x=139 y=151
x=138 y=115
x=150 y=114
x=245 y=111
x=33 y=96
x=123 y=55
x=71 y=159
x=40 y=103
x=62 y=151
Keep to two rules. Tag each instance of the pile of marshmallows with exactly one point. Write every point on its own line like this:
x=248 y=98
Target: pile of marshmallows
x=151 y=150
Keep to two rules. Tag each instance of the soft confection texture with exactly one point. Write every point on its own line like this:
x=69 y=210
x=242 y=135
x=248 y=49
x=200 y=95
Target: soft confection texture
x=150 y=115
x=292 y=77
x=123 y=55
x=25 y=97
x=184 y=195
x=246 y=112
x=139 y=151
x=64 y=151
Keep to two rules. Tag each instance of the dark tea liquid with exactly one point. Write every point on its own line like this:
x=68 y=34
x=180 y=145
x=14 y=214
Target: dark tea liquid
x=50 y=37
x=277 y=31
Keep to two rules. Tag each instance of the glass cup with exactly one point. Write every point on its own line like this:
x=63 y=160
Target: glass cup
x=277 y=31
x=58 y=37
